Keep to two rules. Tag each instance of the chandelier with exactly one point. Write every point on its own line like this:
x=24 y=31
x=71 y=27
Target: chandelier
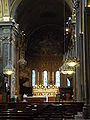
x=9 y=70
x=65 y=69
x=22 y=62
x=72 y=62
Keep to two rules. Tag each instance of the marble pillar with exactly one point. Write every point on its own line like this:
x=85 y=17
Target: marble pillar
x=77 y=47
x=86 y=109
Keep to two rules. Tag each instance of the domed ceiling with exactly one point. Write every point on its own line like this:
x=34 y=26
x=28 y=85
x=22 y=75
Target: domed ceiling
x=43 y=23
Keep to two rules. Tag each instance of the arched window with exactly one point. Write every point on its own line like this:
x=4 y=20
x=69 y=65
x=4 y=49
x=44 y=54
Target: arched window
x=58 y=78
x=33 y=77
x=68 y=82
x=45 y=78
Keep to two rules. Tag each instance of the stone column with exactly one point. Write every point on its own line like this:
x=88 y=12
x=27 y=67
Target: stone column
x=77 y=47
x=86 y=109
x=78 y=85
x=82 y=66
x=17 y=71
x=5 y=35
x=74 y=86
x=13 y=58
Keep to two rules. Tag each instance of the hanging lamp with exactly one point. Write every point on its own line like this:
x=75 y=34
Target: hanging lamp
x=72 y=62
x=65 y=69
x=22 y=62
x=9 y=69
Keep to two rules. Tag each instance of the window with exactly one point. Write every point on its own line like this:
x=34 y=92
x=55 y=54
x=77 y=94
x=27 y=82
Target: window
x=68 y=82
x=58 y=78
x=45 y=78
x=33 y=77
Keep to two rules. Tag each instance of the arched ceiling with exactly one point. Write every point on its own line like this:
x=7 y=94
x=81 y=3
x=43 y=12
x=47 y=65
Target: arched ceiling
x=14 y=4
x=31 y=14
x=43 y=23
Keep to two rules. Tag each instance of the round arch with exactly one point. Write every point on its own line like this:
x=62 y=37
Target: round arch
x=14 y=4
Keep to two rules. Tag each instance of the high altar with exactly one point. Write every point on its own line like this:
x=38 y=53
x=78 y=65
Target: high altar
x=42 y=91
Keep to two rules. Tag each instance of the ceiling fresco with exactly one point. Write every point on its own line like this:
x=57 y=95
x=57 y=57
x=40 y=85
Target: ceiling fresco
x=43 y=24
x=47 y=42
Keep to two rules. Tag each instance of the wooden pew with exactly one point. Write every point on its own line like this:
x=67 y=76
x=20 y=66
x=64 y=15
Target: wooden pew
x=27 y=110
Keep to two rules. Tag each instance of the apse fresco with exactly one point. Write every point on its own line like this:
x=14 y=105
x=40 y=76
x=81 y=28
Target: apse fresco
x=46 y=47
x=46 y=43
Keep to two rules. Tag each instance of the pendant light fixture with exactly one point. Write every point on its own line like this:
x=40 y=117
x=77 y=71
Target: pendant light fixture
x=66 y=68
x=72 y=62
x=22 y=62
x=9 y=69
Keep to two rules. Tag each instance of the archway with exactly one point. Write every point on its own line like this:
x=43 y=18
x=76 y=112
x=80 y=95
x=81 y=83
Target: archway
x=44 y=37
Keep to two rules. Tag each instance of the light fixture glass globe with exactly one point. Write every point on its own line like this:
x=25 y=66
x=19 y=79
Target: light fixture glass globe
x=70 y=72
x=72 y=63
x=9 y=70
x=67 y=72
x=65 y=69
